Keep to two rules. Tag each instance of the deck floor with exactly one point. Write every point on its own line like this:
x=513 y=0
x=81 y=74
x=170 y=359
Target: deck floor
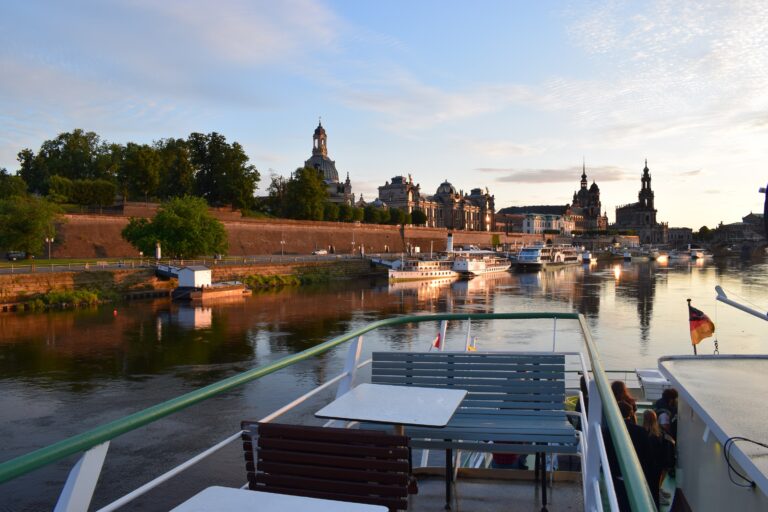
x=476 y=495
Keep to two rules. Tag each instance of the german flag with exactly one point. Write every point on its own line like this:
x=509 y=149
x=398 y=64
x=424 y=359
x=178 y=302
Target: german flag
x=701 y=326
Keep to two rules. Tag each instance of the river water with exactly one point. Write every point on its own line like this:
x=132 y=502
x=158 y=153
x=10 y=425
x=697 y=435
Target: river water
x=64 y=372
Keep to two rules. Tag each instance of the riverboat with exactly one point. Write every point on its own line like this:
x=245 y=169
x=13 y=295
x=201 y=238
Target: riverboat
x=419 y=269
x=475 y=263
x=539 y=256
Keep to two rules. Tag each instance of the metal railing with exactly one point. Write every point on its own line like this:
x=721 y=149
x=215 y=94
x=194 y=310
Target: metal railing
x=95 y=442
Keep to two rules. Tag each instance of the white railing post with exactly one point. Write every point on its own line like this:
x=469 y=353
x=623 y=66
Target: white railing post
x=443 y=329
x=350 y=366
x=81 y=482
x=595 y=418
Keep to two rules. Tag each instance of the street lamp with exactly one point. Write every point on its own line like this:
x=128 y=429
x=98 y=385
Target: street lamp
x=49 y=241
x=282 y=247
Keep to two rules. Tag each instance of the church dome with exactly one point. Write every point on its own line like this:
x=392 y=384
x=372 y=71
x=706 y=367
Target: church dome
x=594 y=187
x=446 y=188
x=319 y=130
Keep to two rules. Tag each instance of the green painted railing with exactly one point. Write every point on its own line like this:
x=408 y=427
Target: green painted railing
x=640 y=496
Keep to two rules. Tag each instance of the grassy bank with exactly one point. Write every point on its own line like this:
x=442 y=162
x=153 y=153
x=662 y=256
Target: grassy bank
x=302 y=277
x=62 y=299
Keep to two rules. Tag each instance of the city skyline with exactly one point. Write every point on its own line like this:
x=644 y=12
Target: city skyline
x=500 y=95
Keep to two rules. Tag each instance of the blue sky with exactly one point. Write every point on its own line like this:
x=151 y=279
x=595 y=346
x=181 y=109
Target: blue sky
x=505 y=95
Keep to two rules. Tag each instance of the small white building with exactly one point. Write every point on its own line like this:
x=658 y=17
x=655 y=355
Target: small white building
x=195 y=276
x=536 y=223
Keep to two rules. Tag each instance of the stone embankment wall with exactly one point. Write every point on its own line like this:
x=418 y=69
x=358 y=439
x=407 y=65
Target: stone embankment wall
x=17 y=287
x=98 y=236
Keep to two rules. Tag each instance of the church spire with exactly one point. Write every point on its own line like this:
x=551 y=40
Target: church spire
x=583 y=173
x=320 y=140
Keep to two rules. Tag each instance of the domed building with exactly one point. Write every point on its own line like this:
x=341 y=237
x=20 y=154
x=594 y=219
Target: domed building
x=337 y=192
x=448 y=208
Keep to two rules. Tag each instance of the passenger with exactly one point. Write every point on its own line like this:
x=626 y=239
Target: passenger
x=621 y=393
x=666 y=409
x=641 y=444
x=661 y=455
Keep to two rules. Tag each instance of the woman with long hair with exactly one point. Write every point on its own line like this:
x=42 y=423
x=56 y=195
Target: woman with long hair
x=621 y=393
x=662 y=453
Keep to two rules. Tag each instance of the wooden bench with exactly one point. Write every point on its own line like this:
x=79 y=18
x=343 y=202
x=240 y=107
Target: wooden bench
x=515 y=402
x=360 y=466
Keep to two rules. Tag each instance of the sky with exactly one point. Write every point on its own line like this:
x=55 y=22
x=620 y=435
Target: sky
x=509 y=95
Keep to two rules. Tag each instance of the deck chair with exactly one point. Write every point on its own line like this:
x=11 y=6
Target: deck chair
x=360 y=466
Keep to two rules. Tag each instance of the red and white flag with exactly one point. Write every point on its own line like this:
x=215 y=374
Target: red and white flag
x=436 y=342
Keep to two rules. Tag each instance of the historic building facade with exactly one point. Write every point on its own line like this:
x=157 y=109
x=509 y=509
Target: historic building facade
x=586 y=208
x=446 y=208
x=536 y=223
x=641 y=216
x=337 y=192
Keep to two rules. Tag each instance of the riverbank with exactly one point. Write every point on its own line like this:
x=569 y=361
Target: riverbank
x=20 y=292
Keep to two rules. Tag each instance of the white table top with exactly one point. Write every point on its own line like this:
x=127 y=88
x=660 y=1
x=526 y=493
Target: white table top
x=226 y=499
x=398 y=405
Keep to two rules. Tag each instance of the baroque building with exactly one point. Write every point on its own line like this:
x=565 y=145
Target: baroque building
x=641 y=216
x=446 y=208
x=337 y=192
x=585 y=208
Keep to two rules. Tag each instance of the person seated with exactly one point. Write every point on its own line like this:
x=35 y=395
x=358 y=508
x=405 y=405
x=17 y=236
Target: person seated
x=641 y=445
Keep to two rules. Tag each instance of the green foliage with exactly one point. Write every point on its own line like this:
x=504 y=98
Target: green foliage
x=331 y=212
x=495 y=240
x=306 y=195
x=418 y=217
x=26 y=221
x=357 y=214
x=262 y=281
x=177 y=178
x=396 y=216
x=11 y=185
x=704 y=234
x=373 y=215
x=184 y=228
x=345 y=212
x=223 y=175
x=140 y=172
x=60 y=189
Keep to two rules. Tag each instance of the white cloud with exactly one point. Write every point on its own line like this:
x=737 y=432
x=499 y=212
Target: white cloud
x=564 y=175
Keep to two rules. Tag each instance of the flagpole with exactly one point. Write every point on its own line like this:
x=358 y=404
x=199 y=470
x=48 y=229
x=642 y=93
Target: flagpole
x=689 y=313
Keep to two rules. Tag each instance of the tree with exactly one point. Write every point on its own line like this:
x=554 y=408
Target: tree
x=140 y=172
x=177 y=176
x=373 y=215
x=396 y=216
x=33 y=171
x=60 y=189
x=277 y=196
x=26 y=221
x=222 y=173
x=705 y=234
x=357 y=214
x=495 y=240
x=418 y=217
x=331 y=212
x=345 y=212
x=183 y=226
x=306 y=195
x=11 y=185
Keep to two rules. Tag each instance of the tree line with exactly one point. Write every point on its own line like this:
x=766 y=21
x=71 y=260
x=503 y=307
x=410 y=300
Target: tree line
x=79 y=167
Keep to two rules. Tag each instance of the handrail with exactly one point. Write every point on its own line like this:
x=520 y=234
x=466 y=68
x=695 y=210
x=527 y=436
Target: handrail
x=639 y=498
x=639 y=495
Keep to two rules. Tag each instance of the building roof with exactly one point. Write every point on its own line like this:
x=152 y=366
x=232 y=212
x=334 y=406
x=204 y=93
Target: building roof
x=325 y=165
x=195 y=268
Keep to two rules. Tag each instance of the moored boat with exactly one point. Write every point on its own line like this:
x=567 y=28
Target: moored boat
x=419 y=269
x=475 y=263
x=535 y=257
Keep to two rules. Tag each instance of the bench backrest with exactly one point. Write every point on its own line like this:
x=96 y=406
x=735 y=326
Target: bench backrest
x=331 y=463
x=495 y=381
